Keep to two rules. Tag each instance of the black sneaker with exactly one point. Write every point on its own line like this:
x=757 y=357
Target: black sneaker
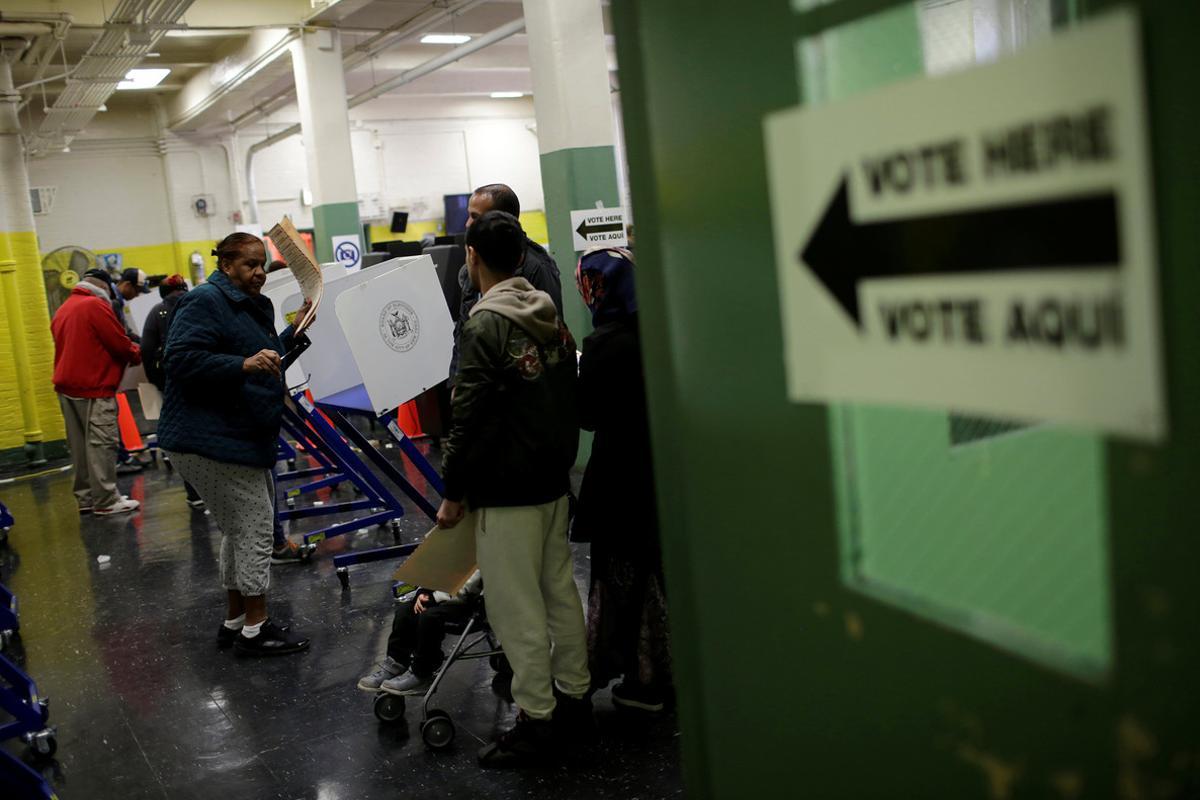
x=639 y=696
x=530 y=743
x=226 y=637
x=272 y=640
x=573 y=718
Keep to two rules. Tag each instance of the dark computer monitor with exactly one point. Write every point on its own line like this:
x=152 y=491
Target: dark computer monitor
x=401 y=249
x=455 y=239
x=456 y=212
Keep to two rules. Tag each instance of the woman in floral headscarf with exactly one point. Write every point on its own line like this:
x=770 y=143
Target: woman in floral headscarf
x=627 y=612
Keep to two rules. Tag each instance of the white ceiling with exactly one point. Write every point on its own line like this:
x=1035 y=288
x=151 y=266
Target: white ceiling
x=501 y=67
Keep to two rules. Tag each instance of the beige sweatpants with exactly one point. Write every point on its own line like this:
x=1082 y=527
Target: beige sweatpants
x=93 y=439
x=532 y=603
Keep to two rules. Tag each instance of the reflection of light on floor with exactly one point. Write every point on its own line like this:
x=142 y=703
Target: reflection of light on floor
x=327 y=791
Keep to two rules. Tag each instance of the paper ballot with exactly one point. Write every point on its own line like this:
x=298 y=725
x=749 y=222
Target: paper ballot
x=445 y=561
x=302 y=264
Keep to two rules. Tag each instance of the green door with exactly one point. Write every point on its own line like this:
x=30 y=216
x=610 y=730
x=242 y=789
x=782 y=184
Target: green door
x=887 y=602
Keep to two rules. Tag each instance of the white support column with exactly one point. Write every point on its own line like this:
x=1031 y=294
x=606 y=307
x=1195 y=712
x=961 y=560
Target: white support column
x=325 y=127
x=575 y=124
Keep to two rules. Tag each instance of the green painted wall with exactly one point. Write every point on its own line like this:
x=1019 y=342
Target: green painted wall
x=791 y=682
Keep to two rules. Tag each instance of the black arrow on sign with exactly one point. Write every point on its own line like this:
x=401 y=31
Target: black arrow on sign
x=1068 y=233
x=609 y=227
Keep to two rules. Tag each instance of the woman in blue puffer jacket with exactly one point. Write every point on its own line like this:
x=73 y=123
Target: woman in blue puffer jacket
x=220 y=420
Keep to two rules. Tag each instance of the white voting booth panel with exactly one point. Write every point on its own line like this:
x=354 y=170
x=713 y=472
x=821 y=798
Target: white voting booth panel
x=281 y=288
x=138 y=309
x=398 y=329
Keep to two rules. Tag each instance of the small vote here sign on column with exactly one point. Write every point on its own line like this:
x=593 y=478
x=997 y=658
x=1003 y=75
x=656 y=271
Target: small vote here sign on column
x=981 y=242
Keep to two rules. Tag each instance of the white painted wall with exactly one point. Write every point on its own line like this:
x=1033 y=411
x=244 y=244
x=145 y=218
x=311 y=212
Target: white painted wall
x=405 y=164
x=112 y=193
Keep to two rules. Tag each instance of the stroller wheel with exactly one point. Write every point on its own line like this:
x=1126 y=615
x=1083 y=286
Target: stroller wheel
x=437 y=730
x=389 y=707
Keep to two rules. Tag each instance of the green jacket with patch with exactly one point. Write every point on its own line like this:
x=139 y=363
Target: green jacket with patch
x=515 y=429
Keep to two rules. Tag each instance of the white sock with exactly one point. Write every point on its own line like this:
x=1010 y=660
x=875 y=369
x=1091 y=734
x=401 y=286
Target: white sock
x=236 y=623
x=250 y=631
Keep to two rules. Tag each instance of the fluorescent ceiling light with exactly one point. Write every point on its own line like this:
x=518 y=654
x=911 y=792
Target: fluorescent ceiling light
x=506 y=95
x=179 y=32
x=445 y=38
x=143 y=78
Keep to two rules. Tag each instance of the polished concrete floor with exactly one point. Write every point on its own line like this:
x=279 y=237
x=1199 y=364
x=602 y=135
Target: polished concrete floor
x=147 y=707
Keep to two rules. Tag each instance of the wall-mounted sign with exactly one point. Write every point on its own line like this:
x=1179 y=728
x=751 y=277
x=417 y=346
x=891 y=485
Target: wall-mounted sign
x=347 y=251
x=978 y=242
x=598 y=227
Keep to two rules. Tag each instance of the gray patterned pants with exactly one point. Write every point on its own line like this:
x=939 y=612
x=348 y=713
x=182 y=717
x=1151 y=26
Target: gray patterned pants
x=241 y=499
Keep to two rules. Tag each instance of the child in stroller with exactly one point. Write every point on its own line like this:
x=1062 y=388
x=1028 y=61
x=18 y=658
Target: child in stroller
x=414 y=650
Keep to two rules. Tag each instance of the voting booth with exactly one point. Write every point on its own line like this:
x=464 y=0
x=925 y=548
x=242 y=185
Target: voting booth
x=381 y=337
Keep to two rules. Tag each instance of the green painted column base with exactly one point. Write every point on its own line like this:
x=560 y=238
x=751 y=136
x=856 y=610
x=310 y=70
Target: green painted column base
x=575 y=178
x=334 y=219
x=572 y=179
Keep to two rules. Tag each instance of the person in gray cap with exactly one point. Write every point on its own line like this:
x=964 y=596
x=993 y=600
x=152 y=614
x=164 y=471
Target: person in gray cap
x=132 y=282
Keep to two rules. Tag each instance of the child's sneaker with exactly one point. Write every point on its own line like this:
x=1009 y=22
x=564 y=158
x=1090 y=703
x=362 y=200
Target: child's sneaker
x=407 y=684
x=387 y=669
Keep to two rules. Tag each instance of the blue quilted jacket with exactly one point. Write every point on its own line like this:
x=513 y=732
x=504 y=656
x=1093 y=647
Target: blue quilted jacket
x=210 y=407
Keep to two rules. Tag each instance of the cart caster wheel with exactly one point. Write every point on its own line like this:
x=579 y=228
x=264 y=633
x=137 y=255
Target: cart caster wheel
x=500 y=664
x=168 y=466
x=291 y=464
x=389 y=707
x=343 y=574
x=306 y=552
x=437 y=730
x=44 y=743
x=395 y=529
x=6 y=637
x=291 y=503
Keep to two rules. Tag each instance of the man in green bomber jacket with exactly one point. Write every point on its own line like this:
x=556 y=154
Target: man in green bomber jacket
x=513 y=440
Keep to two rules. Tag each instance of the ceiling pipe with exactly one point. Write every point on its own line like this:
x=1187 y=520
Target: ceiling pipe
x=102 y=67
x=58 y=23
x=408 y=76
x=364 y=52
x=259 y=63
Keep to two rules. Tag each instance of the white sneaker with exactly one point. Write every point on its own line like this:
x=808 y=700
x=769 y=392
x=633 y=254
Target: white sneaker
x=122 y=506
x=407 y=684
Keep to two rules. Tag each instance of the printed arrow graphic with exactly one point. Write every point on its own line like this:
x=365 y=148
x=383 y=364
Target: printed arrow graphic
x=1067 y=233
x=609 y=227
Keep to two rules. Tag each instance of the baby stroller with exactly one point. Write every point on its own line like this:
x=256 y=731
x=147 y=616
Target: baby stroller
x=475 y=640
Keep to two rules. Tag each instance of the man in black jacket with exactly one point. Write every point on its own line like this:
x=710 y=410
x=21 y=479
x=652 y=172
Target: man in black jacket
x=513 y=440
x=154 y=339
x=535 y=264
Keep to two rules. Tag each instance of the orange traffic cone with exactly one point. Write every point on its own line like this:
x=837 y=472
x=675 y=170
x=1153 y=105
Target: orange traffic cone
x=408 y=420
x=131 y=438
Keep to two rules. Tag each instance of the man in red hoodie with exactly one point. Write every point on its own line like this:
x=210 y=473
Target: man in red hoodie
x=91 y=350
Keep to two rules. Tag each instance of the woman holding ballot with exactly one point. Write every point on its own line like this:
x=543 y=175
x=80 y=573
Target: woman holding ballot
x=220 y=420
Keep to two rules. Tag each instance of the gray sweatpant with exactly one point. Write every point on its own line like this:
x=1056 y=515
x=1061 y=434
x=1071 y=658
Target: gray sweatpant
x=93 y=438
x=241 y=500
